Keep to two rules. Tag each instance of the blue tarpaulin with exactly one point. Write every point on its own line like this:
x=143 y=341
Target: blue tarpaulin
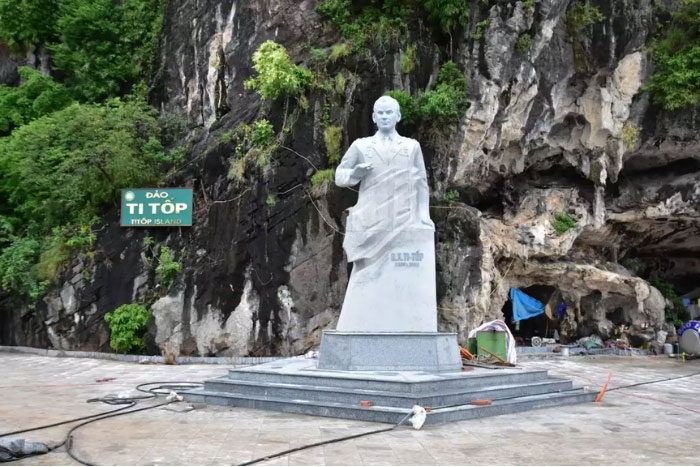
x=524 y=306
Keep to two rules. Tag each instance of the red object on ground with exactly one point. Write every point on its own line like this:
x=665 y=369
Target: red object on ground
x=605 y=388
x=467 y=368
x=480 y=402
x=365 y=404
x=464 y=353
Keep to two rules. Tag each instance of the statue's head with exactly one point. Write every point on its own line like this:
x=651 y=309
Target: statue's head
x=387 y=113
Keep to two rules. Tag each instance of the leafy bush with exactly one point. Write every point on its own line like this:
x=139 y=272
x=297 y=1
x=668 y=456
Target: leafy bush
x=676 y=82
x=38 y=95
x=276 y=74
x=63 y=168
x=449 y=96
x=440 y=104
x=127 y=325
x=263 y=134
x=563 y=222
x=168 y=269
x=27 y=22
x=410 y=112
x=331 y=136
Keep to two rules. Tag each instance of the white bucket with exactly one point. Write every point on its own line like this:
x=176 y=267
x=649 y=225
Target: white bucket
x=668 y=348
x=564 y=351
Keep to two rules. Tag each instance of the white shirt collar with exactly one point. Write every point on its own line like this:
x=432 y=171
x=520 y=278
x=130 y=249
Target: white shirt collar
x=391 y=137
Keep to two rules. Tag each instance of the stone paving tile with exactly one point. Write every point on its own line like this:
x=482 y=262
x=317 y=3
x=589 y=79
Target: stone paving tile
x=634 y=426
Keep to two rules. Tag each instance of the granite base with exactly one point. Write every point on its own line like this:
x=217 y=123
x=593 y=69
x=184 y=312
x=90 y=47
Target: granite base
x=412 y=351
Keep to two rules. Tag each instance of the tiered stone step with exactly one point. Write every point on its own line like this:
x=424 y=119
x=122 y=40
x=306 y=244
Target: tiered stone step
x=298 y=386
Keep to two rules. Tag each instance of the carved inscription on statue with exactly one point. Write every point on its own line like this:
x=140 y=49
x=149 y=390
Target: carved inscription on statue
x=410 y=260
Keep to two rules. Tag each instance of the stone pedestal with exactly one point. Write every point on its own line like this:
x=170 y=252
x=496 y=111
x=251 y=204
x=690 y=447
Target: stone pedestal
x=370 y=351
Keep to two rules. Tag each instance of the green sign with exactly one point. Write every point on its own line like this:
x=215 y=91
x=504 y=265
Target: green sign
x=156 y=207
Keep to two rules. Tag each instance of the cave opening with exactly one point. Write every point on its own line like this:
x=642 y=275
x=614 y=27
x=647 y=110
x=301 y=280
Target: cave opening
x=542 y=325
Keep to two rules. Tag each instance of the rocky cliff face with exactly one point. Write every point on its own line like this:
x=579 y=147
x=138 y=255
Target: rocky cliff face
x=562 y=126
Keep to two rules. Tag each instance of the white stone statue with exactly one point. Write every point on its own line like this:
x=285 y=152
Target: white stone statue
x=389 y=234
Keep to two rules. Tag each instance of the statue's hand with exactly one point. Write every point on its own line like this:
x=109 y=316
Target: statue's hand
x=361 y=170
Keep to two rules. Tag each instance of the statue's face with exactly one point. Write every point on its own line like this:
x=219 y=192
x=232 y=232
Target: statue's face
x=386 y=116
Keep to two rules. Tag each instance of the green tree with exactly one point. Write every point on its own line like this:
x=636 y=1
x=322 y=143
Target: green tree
x=27 y=22
x=65 y=167
x=105 y=46
x=448 y=14
x=38 y=95
x=17 y=273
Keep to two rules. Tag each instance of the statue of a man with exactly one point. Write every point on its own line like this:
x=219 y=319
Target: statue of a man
x=389 y=234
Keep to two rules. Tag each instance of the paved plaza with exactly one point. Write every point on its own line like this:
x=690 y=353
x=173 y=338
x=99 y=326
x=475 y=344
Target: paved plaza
x=649 y=424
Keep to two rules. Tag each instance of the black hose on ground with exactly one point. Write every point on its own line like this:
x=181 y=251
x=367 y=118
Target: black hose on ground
x=164 y=388
x=323 y=443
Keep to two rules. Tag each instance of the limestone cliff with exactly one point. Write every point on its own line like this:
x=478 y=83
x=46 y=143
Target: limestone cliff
x=558 y=126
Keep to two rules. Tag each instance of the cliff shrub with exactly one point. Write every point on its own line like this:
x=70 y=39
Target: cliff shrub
x=480 y=28
x=577 y=19
x=676 y=82
x=582 y=16
x=276 y=74
x=36 y=96
x=331 y=136
x=127 y=325
x=410 y=111
x=380 y=22
x=448 y=98
x=440 y=104
x=630 y=135
x=168 y=269
x=339 y=51
x=451 y=196
x=377 y=21
x=523 y=43
x=59 y=245
x=563 y=223
x=408 y=59
x=263 y=134
x=322 y=175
